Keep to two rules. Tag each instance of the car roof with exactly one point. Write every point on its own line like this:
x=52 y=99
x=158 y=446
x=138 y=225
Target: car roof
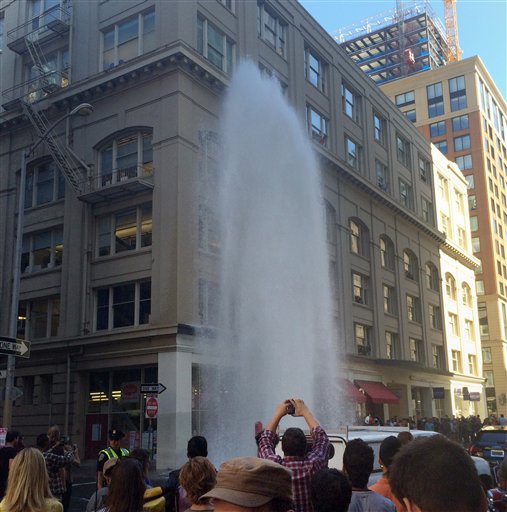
x=491 y=428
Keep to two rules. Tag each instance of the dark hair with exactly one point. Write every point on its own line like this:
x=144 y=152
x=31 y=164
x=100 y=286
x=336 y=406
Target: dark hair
x=358 y=462
x=126 y=492
x=294 y=442
x=405 y=437
x=142 y=456
x=197 y=477
x=330 y=491
x=11 y=436
x=197 y=447
x=42 y=442
x=388 y=449
x=437 y=475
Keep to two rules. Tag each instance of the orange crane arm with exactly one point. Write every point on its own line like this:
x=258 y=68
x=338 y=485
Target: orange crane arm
x=451 y=27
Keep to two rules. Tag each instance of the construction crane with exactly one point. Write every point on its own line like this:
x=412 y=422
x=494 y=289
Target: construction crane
x=451 y=27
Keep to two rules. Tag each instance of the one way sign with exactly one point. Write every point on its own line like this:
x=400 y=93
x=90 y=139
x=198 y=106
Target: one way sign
x=14 y=347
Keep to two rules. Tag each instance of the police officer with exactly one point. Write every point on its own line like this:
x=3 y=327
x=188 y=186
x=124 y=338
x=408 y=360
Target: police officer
x=113 y=451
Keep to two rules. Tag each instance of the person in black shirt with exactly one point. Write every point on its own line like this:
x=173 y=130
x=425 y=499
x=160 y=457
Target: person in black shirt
x=13 y=441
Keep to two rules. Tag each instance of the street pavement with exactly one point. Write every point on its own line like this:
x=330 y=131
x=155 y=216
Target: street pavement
x=84 y=483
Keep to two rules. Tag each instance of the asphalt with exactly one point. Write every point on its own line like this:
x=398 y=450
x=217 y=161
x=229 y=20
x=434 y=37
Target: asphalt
x=84 y=483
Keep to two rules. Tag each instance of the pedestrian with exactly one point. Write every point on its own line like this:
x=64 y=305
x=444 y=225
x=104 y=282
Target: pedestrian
x=405 y=437
x=389 y=447
x=28 y=485
x=331 y=491
x=296 y=458
x=358 y=461
x=12 y=440
x=113 y=451
x=251 y=484
x=126 y=492
x=498 y=497
x=144 y=459
x=435 y=474
x=198 y=476
x=98 y=498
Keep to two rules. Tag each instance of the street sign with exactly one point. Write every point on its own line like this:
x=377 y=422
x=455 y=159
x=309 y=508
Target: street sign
x=16 y=393
x=155 y=389
x=14 y=347
x=151 y=407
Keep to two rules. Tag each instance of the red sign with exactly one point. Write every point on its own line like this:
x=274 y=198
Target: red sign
x=151 y=407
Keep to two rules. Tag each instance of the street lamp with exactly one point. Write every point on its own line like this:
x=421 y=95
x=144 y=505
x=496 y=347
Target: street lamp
x=82 y=109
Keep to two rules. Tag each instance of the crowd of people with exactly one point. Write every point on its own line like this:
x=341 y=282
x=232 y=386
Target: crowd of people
x=426 y=474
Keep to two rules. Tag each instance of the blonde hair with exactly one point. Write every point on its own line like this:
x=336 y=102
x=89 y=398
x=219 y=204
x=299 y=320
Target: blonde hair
x=28 y=483
x=197 y=477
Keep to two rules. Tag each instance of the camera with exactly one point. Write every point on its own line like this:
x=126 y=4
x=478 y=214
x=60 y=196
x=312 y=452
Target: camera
x=290 y=408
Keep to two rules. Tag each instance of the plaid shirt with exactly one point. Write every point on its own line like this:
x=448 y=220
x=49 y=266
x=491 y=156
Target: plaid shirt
x=303 y=468
x=55 y=463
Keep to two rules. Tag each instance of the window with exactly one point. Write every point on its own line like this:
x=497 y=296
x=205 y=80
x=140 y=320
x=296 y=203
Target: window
x=123 y=305
x=406 y=198
x=486 y=356
x=483 y=318
x=458 y=201
x=472 y=202
x=386 y=253
x=432 y=279
x=315 y=70
x=435 y=99
x=427 y=210
x=2 y=30
x=227 y=3
x=214 y=45
x=472 y=364
x=362 y=339
x=403 y=150
x=469 y=330
x=435 y=316
x=360 y=288
x=407 y=98
x=470 y=182
x=415 y=350
x=358 y=238
x=450 y=286
x=42 y=250
x=462 y=143
x=379 y=129
x=411 y=115
x=128 y=39
x=458 y=94
x=353 y=152
x=126 y=157
x=46 y=389
x=464 y=162
x=456 y=361
x=441 y=145
x=271 y=29
x=476 y=244
x=437 y=129
x=382 y=175
x=39 y=318
x=389 y=299
x=490 y=380
x=443 y=188
x=44 y=184
x=479 y=287
x=126 y=230
x=437 y=353
x=460 y=123
x=453 y=324
x=317 y=125
x=209 y=298
x=424 y=169
x=330 y=223
x=413 y=309
x=410 y=265
x=391 y=345
x=351 y=103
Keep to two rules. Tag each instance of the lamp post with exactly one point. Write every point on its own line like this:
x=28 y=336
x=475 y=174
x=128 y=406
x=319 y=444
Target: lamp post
x=81 y=109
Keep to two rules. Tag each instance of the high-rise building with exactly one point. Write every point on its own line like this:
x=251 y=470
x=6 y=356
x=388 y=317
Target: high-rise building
x=117 y=258
x=459 y=108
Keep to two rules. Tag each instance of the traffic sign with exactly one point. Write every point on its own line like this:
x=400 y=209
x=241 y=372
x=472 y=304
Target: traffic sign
x=151 y=407
x=14 y=347
x=16 y=393
x=155 y=388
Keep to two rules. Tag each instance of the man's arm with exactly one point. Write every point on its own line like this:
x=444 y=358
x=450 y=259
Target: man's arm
x=267 y=441
x=320 y=446
x=59 y=461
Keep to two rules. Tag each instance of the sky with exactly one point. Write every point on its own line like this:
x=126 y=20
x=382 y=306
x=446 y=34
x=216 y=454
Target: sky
x=482 y=26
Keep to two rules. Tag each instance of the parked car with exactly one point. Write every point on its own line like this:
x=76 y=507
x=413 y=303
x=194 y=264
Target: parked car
x=491 y=444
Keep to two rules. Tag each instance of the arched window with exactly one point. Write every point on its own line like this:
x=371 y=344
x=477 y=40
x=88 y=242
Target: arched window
x=450 y=286
x=358 y=237
x=431 y=273
x=410 y=265
x=466 y=294
x=386 y=252
x=127 y=155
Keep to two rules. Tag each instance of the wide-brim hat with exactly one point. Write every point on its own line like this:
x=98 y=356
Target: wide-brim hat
x=109 y=464
x=251 y=482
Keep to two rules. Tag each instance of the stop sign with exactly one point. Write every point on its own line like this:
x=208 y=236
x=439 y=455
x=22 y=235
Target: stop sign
x=151 y=407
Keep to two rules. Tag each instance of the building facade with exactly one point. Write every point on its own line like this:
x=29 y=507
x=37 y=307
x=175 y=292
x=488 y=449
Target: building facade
x=117 y=259
x=459 y=108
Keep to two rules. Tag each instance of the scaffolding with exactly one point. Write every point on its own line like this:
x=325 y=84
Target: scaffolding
x=397 y=43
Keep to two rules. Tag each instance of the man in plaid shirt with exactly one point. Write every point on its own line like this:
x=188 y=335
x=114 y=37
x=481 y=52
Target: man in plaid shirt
x=303 y=465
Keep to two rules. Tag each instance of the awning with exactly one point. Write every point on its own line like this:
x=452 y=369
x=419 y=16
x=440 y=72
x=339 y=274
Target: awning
x=351 y=392
x=377 y=392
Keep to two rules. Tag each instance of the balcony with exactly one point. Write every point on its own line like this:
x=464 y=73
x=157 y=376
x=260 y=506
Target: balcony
x=51 y=24
x=118 y=184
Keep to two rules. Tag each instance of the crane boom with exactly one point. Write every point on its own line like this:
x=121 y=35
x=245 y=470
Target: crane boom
x=451 y=27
